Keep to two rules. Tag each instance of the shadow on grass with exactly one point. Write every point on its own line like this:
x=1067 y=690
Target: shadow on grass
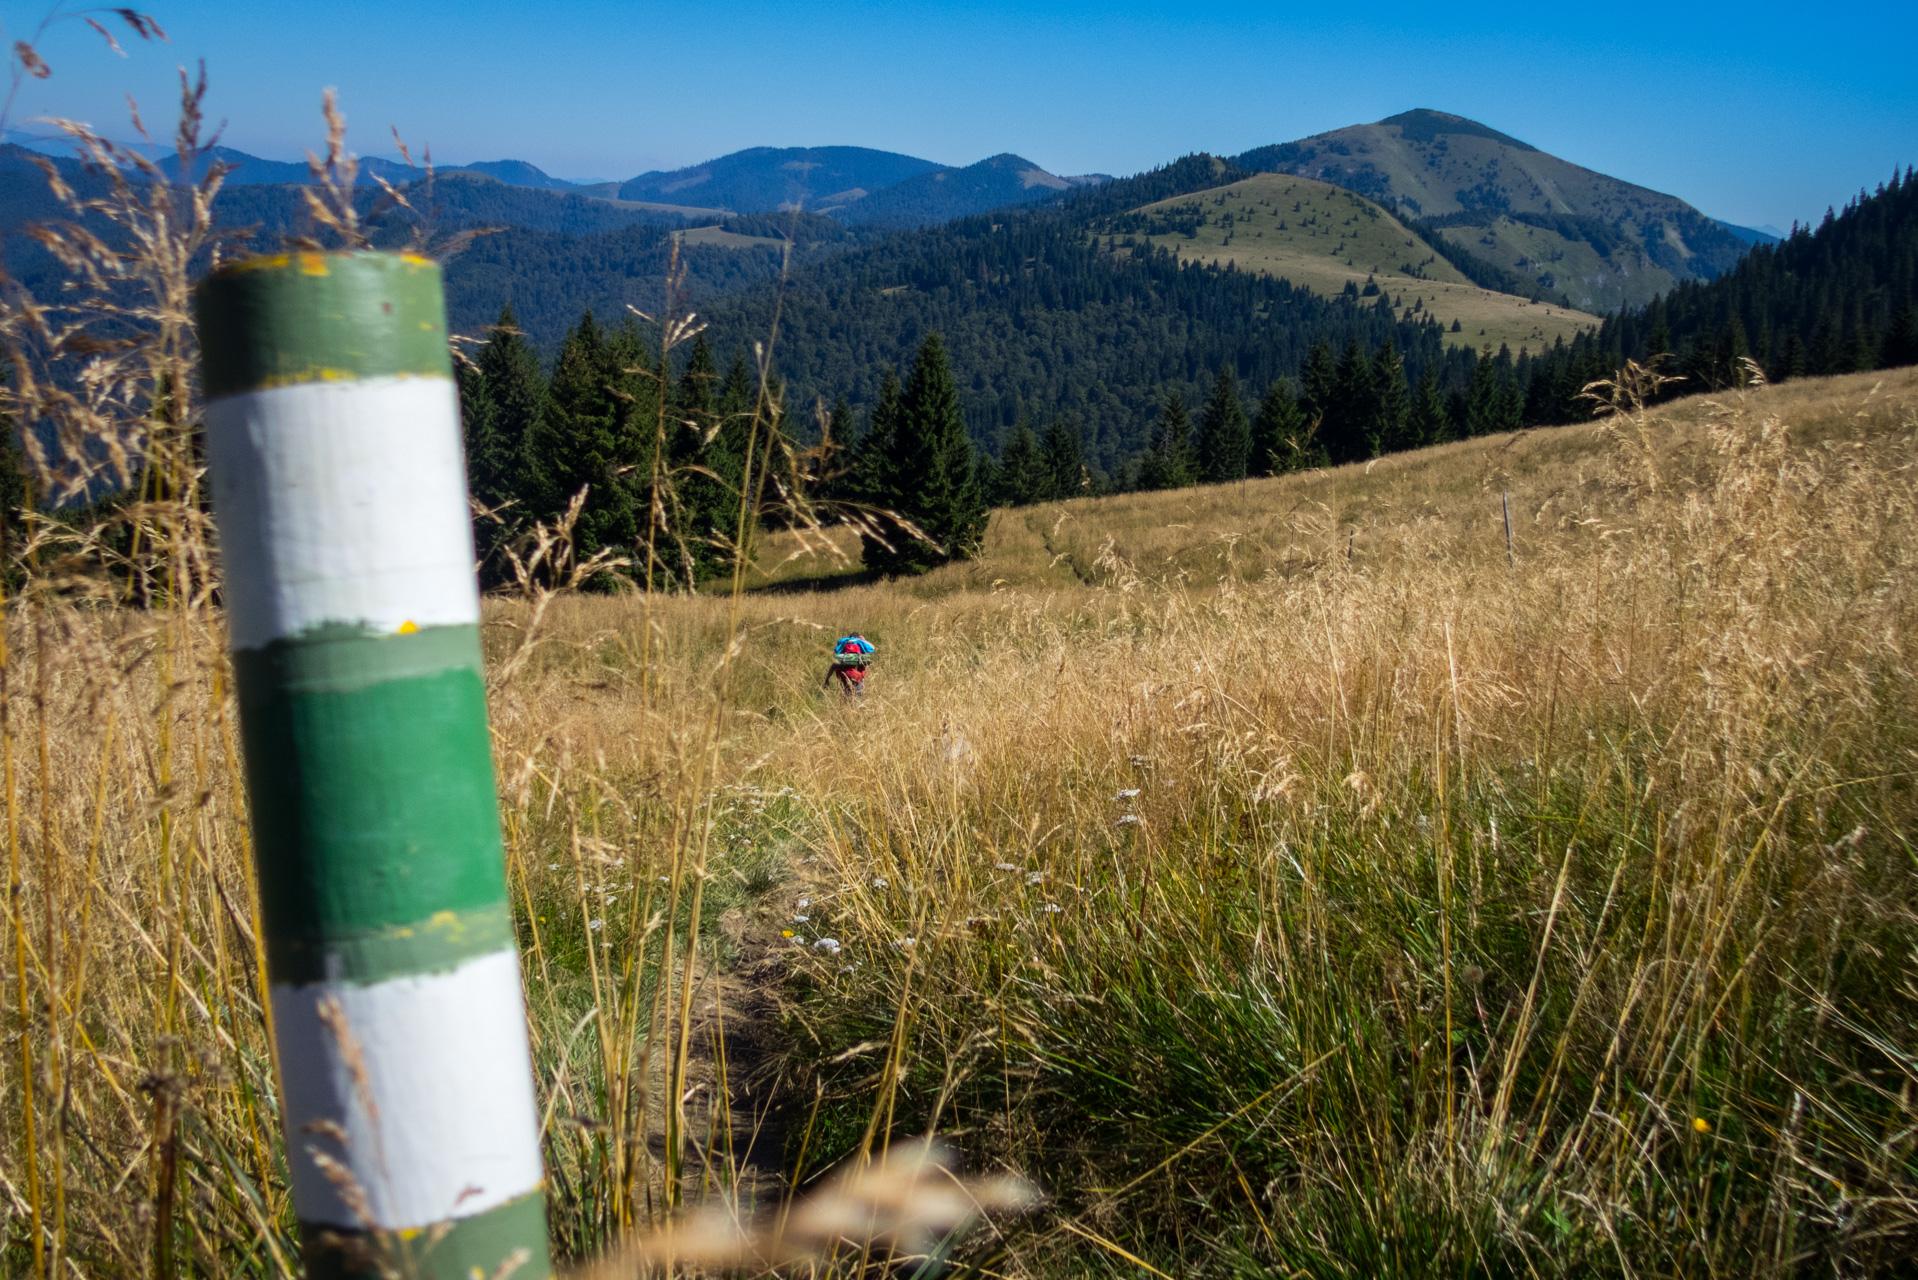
x=816 y=582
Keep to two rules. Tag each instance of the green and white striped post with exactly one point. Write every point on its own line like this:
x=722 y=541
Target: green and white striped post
x=333 y=443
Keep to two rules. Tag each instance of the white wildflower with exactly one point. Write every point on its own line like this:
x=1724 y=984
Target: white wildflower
x=1130 y=817
x=1036 y=877
x=1052 y=907
x=829 y=945
x=595 y=924
x=879 y=882
x=1004 y=866
x=1127 y=794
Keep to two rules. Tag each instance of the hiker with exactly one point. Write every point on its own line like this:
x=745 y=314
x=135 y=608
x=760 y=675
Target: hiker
x=850 y=654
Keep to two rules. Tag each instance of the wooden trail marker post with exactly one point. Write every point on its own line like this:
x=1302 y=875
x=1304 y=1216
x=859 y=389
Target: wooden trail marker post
x=333 y=443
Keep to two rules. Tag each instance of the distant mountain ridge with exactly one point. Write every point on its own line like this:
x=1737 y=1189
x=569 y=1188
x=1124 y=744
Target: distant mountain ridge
x=852 y=184
x=1599 y=241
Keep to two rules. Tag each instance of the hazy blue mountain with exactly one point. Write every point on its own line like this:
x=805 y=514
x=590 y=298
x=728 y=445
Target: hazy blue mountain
x=944 y=194
x=1752 y=235
x=764 y=178
x=518 y=173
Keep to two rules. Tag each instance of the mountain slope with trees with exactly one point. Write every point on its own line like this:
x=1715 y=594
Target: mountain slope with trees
x=1599 y=241
x=1330 y=240
x=1040 y=318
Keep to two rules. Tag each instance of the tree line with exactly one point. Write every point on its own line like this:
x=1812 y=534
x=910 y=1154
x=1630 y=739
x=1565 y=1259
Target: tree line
x=672 y=462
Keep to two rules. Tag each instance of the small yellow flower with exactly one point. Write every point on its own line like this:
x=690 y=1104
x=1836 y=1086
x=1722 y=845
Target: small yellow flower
x=1702 y=1125
x=785 y=933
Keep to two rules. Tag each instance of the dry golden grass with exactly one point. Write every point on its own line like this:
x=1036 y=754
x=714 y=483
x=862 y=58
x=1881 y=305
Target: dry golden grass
x=1167 y=870
x=1619 y=821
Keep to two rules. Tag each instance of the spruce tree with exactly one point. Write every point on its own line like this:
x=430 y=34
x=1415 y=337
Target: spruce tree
x=934 y=482
x=1225 y=437
x=1901 y=339
x=691 y=499
x=872 y=478
x=1430 y=423
x=1167 y=463
x=1022 y=469
x=502 y=399
x=1391 y=407
x=1484 y=407
x=1350 y=410
x=1064 y=461
x=1279 y=433
x=1318 y=383
x=589 y=442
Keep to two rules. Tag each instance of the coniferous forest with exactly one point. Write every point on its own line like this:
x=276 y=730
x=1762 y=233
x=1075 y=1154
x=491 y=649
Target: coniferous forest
x=1042 y=362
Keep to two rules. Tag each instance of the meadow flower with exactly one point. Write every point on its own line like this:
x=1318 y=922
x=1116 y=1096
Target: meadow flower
x=829 y=945
x=1035 y=877
x=1130 y=817
x=1004 y=866
x=1127 y=794
x=801 y=919
x=1052 y=907
x=879 y=882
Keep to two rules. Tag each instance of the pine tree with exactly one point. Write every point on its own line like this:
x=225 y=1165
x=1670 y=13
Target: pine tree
x=1430 y=423
x=501 y=398
x=1022 y=476
x=1167 y=463
x=576 y=445
x=1351 y=406
x=872 y=477
x=934 y=482
x=1484 y=412
x=1225 y=437
x=1318 y=383
x=1391 y=402
x=1063 y=461
x=1901 y=339
x=1279 y=435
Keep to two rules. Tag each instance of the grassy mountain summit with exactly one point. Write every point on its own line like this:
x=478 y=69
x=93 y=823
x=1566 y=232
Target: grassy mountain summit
x=1600 y=241
x=1330 y=240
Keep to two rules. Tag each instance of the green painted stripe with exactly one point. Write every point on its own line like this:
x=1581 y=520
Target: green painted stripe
x=280 y=319
x=441 y=942
x=370 y=775
x=457 y=1250
x=335 y=658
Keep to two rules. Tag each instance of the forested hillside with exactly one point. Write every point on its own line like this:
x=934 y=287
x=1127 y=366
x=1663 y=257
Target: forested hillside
x=1041 y=319
x=1842 y=298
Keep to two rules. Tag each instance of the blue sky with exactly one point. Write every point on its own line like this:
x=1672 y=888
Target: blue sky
x=1755 y=113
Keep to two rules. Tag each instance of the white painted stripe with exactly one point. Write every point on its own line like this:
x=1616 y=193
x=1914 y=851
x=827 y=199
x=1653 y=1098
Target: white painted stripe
x=342 y=502
x=432 y=1087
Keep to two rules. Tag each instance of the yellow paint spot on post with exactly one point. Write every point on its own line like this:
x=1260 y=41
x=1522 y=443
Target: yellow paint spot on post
x=408 y=627
x=313 y=264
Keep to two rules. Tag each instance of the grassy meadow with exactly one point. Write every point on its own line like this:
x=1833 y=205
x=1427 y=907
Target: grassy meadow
x=1322 y=237
x=1291 y=878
